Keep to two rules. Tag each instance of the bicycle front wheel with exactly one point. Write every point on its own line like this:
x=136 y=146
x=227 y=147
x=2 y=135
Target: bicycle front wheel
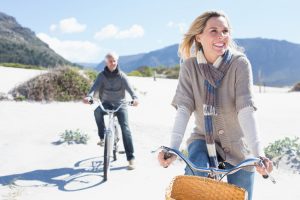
x=107 y=154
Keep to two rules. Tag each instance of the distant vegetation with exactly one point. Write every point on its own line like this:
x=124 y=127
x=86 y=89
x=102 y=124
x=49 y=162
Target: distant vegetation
x=91 y=74
x=296 y=88
x=18 y=65
x=160 y=71
x=59 y=84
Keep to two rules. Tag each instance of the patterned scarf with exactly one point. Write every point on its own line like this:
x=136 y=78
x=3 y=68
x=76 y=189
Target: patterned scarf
x=213 y=78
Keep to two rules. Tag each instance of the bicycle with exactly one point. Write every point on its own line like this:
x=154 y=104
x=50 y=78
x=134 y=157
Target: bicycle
x=111 y=136
x=210 y=187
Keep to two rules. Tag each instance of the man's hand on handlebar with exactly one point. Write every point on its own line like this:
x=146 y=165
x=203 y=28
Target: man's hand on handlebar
x=135 y=102
x=88 y=100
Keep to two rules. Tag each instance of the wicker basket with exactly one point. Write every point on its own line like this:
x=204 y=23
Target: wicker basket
x=201 y=188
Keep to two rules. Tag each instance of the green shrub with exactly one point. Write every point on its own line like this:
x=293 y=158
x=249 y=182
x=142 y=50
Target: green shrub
x=135 y=73
x=59 y=84
x=161 y=71
x=285 y=150
x=73 y=137
x=145 y=71
x=20 y=98
x=91 y=74
x=23 y=66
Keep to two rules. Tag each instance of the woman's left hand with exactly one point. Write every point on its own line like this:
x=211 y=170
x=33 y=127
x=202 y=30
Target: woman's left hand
x=268 y=165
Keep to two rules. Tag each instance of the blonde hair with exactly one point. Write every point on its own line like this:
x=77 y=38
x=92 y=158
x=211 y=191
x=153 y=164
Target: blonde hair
x=197 y=27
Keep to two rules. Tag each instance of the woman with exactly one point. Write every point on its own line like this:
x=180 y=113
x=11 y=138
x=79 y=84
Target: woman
x=215 y=83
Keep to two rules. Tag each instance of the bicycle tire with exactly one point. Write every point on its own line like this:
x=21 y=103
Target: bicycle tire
x=116 y=140
x=106 y=160
x=115 y=155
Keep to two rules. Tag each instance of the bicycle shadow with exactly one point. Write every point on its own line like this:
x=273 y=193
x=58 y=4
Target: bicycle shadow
x=84 y=175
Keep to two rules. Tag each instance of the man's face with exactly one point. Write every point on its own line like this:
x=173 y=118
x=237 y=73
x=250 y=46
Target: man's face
x=111 y=63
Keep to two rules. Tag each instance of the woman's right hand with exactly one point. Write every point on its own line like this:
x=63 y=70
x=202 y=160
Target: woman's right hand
x=166 y=158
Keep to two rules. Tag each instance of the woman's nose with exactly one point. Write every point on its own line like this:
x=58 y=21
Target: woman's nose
x=221 y=35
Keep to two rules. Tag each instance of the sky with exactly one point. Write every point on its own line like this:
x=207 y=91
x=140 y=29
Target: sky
x=85 y=30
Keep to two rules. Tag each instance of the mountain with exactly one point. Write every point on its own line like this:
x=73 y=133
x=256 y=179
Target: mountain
x=166 y=56
x=277 y=61
x=20 y=45
x=88 y=65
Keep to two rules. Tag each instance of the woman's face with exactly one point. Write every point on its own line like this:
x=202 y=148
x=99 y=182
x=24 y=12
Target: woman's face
x=215 y=38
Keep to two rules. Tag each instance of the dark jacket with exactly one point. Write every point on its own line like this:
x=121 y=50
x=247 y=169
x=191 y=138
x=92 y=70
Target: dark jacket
x=111 y=86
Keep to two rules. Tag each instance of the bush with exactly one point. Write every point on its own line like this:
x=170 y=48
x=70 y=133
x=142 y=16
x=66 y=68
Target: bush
x=73 y=137
x=91 y=74
x=296 y=88
x=286 y=152
x=60 y=84
x=146 y=71
x=135 y=73
x=18 y=65
x=166 y=72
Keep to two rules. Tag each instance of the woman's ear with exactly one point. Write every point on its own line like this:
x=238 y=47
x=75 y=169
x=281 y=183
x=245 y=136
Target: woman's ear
x=198 y=38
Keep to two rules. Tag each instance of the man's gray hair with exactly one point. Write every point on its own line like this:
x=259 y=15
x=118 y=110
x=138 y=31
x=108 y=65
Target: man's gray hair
x=113 y=55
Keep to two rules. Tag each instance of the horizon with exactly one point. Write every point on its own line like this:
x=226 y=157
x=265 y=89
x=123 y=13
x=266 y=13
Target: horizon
x=82 y=32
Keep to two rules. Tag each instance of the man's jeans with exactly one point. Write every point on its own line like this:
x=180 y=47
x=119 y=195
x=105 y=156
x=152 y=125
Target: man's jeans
x=122 y=116
x=198 y=155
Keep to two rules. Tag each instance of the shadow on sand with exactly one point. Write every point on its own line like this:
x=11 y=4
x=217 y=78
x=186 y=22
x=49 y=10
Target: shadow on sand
x=85 y=174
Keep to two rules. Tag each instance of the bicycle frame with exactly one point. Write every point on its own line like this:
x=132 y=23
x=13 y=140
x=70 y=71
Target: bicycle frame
x=110 y=131
x=215 y=172
x=111 y=137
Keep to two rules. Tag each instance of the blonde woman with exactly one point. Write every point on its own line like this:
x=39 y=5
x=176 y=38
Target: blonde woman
x=215 y=83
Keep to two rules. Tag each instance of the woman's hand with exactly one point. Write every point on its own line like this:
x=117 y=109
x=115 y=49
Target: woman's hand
x=268 y=165
x=165 y=158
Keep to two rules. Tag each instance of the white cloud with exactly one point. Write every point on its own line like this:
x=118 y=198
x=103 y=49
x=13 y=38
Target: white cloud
x=108 y=31
x=134 y=31
x=68 y=25
x=180 y=26
x=53 y=27
x=73 y=50
x=112 y=31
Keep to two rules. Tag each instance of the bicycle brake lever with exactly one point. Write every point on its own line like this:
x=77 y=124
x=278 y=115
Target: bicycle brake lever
x=268 y=175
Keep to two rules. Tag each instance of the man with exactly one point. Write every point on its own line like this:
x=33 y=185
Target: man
x=111 y=85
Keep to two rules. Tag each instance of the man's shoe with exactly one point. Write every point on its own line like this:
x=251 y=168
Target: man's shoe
x=101 y=143
x=131 y=165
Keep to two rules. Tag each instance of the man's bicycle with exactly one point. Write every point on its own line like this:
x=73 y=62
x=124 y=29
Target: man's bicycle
x=111 y=136
x=211 y=187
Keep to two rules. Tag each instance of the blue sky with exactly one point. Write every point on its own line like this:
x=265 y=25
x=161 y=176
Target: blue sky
x=83 y=31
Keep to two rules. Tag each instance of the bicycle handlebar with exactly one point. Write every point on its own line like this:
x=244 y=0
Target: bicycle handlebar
x=129 y=103
x=215 y=171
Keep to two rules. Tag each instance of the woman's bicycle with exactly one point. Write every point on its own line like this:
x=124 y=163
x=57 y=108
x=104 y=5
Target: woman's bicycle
x=111 y=136
x=210 y=187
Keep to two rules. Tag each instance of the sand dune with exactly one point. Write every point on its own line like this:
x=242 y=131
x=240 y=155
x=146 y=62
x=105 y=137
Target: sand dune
x=42 y=170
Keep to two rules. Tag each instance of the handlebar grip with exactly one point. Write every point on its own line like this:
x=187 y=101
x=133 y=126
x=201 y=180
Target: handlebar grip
x=167 y=155
x=91 y=101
